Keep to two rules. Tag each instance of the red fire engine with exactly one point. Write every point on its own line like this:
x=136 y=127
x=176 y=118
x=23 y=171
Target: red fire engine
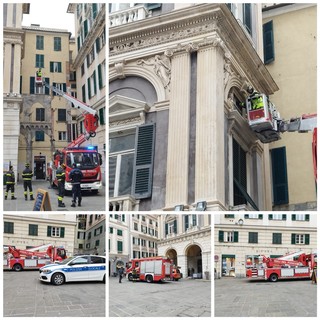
x=87 y=159
x=150 y=269
x=295 y=265
x=34 y=258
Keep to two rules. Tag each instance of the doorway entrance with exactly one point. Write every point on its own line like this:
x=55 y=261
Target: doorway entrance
x=194 y=261
x=40 y=167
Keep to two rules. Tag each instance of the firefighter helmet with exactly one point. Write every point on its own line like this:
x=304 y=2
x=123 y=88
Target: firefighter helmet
x=63 y=165
x=27 y=164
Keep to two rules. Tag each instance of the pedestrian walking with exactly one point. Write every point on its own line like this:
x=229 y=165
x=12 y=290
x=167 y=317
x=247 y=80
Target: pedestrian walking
x=120 y=271
x=27 y=175
x=10 y=182
x=76 y=176
x=61 y=176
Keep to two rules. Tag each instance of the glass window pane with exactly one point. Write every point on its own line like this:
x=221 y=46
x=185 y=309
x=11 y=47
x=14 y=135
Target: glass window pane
x=126 y=172
x=122 y=143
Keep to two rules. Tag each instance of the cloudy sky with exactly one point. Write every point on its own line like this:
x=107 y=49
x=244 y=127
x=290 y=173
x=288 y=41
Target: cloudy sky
x=50 y=14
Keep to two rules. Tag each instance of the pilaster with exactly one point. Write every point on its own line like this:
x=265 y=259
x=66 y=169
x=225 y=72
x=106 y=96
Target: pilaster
x=178 y=131
x=210 y=153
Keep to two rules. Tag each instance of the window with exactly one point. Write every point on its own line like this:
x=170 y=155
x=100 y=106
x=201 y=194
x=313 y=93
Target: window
x=62 y=135
x=97 y=243
x=98 y=231
x=40 y=43
x=90 y=57
x=229 y=216
x=228 y=236
x=55 y=66
x=277 y=216
x=119 y=246
x=300 y=217
x=101 y=73
x=57 y=43
x=89 y=235
x=80 y=260
x=40 y=114
x=39 y=61
x=119 y=232
x=95 y=259
x=253 y=237
x=39 y=136
x=82 y=69
x=279 y=176
x=81 y=235
x=277 y=238
x=300 y=238
x=253 y=216
x=8 y=227
x=33 y=230
x=135 y=226
x=62 y=115
x=121 y=161
x=84 y=93
x=55 y=232
x=171 y=227
x=268 y=44
x=247 y=17
x=239 y=174
x=110 y=230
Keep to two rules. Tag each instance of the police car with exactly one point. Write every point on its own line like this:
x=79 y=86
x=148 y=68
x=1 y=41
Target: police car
x=79 y=268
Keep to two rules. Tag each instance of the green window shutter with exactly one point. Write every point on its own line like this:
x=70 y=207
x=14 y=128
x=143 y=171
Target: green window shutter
x=307 y=217
x=166 y=228
x=239 y=173
x=293 y=238
x=59 y=67
x=221 y=236
x=84 y=93
x=186 y=222
x=152 y=6
x=101 y=116
x=51 y=66
x=268 y=42
x=293 y=217
x=94 y=10
x=270 y=216
x=89 y=88
x=100 y=79
x=143 y=162
x=79 y=43
x=175 y=226
x=85 y=28
x=236 y=236
x=49 y=231
x=98 y=45
x=279 y=175
x=307 y=239
x=246 y=216
x=62 y=232
x=110 y=230
x=94 y=82
x=284 y=217
x=47 y=90
x=32 y=80
x=261 y=216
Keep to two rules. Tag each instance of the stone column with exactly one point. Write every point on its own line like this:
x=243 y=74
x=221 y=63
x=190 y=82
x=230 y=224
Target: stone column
x=210 y=151
x=6 y=67
x=16 y=67
x=178 y=131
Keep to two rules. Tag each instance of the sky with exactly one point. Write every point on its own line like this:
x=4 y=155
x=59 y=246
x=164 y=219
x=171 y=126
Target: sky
x=50 y=14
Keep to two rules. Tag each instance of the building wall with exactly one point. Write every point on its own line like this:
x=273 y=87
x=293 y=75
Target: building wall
x=22 y=240
x=265 y=228
x=95 y=242
x=90 y=18
x=12 y=100
x=194 y=133
x=29 y=148
x=295 y=71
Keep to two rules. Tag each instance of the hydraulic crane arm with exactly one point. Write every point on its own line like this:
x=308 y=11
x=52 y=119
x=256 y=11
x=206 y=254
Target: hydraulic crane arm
x=305 y=123
x=77 y=103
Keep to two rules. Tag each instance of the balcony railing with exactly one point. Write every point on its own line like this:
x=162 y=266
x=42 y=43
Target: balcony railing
x=132 y=14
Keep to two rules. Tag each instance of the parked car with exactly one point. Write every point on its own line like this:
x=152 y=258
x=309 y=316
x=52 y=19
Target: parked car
x=79 y=268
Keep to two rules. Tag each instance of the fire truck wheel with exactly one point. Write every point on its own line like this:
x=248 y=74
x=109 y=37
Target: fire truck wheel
x=273 y=277
x=17 y=267
x=130 y=277
x=57 y=279
x=149 y=278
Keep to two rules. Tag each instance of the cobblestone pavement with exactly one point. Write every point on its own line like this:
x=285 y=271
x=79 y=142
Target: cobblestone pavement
x=25 y=296
x=183 y=298
x=90 y=201
x=258 y=298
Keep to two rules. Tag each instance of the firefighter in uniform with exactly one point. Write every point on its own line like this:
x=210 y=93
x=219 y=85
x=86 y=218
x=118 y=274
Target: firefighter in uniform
x=39 y=73
x=27 y=182
x=76 y=176
x=10 y=182
x=61 y=176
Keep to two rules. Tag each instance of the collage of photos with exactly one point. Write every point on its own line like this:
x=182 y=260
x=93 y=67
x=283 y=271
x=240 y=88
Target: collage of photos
x=196 y=179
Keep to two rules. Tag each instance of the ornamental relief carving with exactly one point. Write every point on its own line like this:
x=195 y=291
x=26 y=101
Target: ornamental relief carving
x=192 y=28
x=161 y=65
x=125 y=122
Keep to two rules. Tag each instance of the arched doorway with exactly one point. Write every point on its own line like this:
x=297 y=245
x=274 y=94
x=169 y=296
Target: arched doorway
x=194 y=261
x=172 y=254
